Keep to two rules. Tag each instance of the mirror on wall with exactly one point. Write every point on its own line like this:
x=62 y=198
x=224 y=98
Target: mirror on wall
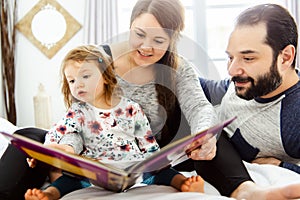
x=48 y=26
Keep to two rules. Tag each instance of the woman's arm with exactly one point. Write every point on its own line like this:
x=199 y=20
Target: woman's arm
x=193 y=102
x=197 y=109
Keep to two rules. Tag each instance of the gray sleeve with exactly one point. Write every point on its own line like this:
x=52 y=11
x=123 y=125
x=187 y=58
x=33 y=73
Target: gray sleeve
x=74 y=140
x=193 y=102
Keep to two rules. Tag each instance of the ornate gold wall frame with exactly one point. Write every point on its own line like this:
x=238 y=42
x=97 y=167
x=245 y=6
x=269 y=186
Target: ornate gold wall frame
x=48 y=26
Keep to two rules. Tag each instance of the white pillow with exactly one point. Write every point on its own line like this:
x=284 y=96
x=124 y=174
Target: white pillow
x=5 y=126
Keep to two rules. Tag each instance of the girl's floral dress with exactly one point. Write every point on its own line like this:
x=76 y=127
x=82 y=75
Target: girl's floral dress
x=119 y=134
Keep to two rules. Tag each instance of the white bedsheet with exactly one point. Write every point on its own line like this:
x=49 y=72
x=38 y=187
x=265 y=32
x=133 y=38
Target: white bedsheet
x=263 y=175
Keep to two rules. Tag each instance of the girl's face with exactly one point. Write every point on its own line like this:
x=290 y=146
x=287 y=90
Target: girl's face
x=148 y=41
x=85 y=81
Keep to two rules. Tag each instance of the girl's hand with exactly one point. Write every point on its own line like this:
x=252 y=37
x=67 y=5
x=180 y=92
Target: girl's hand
x=31 y=162
x=63 y=147
x=207 y=150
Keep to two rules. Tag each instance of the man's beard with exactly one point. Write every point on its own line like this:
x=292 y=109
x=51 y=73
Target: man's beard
x=264 y=85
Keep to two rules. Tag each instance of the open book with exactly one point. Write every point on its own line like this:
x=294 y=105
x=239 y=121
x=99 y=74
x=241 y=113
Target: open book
x=106 y=175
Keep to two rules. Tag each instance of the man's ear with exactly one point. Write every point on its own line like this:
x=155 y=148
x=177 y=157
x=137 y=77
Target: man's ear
x=287 y=56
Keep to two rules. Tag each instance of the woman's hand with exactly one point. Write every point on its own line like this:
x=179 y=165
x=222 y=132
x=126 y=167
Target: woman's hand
x=207 y=150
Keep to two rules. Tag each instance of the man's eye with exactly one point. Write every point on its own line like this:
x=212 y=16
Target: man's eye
x=230 y=58
x=248 y=58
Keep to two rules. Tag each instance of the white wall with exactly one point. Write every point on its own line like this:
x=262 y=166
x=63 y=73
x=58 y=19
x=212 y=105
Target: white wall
x=33 y=67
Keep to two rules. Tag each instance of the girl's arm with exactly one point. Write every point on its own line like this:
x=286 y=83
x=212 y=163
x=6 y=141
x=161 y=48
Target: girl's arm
x=66 y=131
x=32 y=162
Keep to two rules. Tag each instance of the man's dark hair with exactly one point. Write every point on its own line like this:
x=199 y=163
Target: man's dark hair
x=281 y=26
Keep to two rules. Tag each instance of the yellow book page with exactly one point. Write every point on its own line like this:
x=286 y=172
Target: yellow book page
x=61 y=164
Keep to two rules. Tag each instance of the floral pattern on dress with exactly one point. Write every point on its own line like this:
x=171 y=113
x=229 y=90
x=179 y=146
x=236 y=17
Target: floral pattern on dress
x=121 y=133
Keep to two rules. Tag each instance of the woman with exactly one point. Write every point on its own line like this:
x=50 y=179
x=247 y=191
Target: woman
x=149 y=72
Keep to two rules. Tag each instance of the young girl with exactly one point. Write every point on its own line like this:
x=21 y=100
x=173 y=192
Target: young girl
x=100 y=124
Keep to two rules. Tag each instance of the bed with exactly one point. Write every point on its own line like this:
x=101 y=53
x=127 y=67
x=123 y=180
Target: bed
x=263 y=175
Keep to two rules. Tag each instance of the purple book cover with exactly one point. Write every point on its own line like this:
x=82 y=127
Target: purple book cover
x=176 y=152
x=100 y=174
x=105 y=175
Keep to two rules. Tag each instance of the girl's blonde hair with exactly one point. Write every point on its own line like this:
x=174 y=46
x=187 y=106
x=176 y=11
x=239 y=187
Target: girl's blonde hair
x=86 y=53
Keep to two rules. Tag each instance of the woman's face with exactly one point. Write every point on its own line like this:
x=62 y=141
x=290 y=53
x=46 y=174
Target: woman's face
x=148 y=41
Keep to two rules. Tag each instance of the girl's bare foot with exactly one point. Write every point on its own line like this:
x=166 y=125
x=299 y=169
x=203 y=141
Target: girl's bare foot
x=35 y=194
x=249 y=191
x=193 y=184
x=51 y=193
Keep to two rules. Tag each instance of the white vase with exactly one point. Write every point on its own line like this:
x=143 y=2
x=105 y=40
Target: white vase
x=42 y=108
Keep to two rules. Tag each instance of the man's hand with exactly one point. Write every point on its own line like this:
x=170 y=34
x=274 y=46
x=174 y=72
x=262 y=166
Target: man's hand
x=207 y=150
x=269 y=160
